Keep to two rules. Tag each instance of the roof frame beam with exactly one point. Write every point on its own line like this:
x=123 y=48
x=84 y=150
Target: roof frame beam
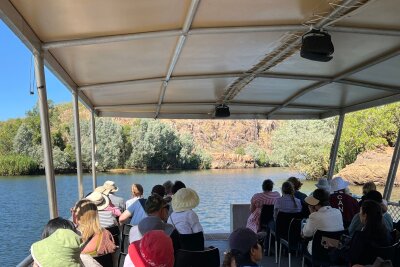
x=178 y=50
x=238 y=104
x=212 y=30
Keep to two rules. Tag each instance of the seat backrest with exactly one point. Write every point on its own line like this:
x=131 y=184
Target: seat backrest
x=193 y=242
x=124 y=244
x=282 y=223
x=294 y=232
x=267 y=214
x=208 y=257
x=320 y=247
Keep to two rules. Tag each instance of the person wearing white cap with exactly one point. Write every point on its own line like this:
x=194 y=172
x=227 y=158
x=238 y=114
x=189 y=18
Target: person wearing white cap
x=339 y=199
x=323 y=183
x=322 y=216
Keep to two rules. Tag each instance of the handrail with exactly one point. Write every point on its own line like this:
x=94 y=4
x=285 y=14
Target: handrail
x=26 y=262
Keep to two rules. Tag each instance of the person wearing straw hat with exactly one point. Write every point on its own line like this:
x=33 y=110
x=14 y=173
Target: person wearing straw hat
x=116 y=200
x=107 y=212
x=183 y=217
x=339 y=199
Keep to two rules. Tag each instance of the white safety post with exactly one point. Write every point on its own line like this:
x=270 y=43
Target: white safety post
x=335 y=147
x=45 y=134
x=93 y=132
x=78 y=144
x=392 y=169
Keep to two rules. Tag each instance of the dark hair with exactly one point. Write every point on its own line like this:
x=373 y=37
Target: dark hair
x=374 y=195
x=55 y=224
x=177 y=185
x=168 y=187
x=288 y=189
x=374 y=227
x=159 y=190
x=241 y=259
x=322 y=195
x=296 y=182
x=368 y=186
x=267 y=185
x=154 y=203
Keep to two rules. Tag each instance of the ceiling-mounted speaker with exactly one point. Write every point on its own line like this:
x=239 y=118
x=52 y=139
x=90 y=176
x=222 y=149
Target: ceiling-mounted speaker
x=222 y=111
x=317 y=46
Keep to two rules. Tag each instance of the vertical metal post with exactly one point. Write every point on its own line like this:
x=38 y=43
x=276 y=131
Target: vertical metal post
x=78 y=144
x=93 y=132
x=335 y=147
x=392 y=169
x=45 y=134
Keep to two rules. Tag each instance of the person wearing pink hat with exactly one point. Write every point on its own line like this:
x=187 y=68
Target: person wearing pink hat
x=153 y=250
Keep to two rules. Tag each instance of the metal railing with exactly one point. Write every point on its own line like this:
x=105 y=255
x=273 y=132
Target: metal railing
x=394 y=210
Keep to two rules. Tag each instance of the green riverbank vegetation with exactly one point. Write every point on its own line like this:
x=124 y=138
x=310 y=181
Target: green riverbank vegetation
x=154 y=144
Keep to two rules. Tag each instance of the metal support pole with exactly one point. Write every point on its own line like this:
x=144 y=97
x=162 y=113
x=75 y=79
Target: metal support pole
x=393 y=169
x=335 y=147
x=93 y=132
x=45 y=134
x=78 y=144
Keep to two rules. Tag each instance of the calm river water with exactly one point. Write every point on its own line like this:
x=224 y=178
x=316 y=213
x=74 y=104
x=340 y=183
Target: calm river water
x=25 y=210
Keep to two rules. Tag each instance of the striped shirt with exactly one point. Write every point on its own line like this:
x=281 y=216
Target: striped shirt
x=257 y=201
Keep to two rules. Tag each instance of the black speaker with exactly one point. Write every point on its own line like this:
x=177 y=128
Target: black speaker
x=317 y=46
x=222 y=111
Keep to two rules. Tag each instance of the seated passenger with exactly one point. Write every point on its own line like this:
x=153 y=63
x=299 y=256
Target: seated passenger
x=157 y=211
x=108 y=213
x=154 y=249
x=60 y=223
x=111 y=188
x=244 y=249
x=99 y=240
x=183 y=218
x=136 y=211
x=373 y=234
x=63 y=246
x=168 y=190
x=357 y=225
x=177 y=185
x=137 y=193
x=339 y=199
x=297 y=194
x=322 y=216
x=267 y=197
x=324 y=184
x=287 y=203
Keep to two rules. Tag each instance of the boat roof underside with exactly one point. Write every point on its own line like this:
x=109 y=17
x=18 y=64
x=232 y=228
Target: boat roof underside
x=178 y=59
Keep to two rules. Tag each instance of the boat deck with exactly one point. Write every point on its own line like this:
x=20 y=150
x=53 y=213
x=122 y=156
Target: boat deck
x=220 y=240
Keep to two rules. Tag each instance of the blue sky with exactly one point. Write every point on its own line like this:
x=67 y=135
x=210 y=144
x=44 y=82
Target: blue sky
x=15 y=64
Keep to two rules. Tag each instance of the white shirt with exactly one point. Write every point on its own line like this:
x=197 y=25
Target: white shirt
x=185 y=222
x=325 y=219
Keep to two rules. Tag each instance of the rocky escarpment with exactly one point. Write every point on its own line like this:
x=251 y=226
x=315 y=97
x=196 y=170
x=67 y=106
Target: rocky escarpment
x=370 y=166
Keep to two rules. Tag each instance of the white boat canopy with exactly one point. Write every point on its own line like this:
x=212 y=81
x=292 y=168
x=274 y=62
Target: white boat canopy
x=181 y=58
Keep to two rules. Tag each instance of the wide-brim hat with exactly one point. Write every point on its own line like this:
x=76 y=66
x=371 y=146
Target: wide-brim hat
x=323 y=183
x=62 y=248
x=155 y=249
x=338 y=183
x=111 y=186
x=99 y=199
x=242 y=239
x=103 y=190
x=311 y=200
x=185 y=199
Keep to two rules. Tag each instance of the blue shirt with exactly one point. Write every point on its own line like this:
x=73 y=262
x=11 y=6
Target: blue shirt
x=137 y=211
x=287 y=204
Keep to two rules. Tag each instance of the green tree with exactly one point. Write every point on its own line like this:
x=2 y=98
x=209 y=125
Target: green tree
x=8 y=130
x=304 y=145
x=155 y=146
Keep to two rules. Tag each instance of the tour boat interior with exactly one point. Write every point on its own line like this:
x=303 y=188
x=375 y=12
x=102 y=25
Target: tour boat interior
x=206 y=59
